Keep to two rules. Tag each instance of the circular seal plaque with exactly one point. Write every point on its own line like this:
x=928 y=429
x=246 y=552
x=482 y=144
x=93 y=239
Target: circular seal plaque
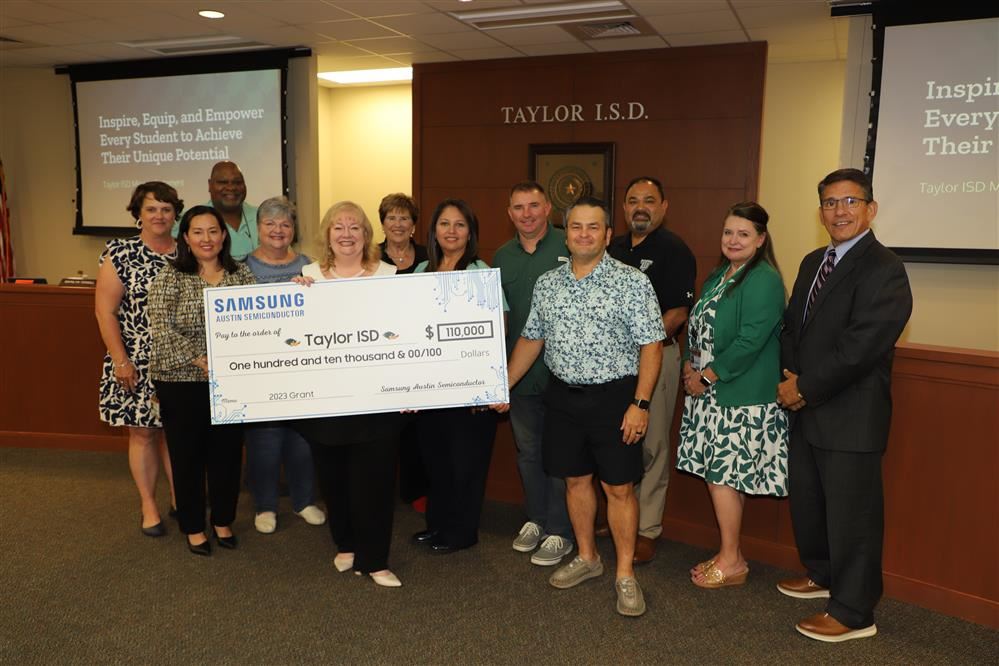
x=567 y=185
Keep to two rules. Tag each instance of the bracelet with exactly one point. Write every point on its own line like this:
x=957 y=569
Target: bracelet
x=127 y=361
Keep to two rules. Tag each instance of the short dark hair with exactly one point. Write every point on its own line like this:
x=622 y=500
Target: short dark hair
x=854 y=176
x=646 y=179
x=434 y=252
x=160 y=191
x=590 y=202
x=186 y=261
x=528 y=186
x=399 y=201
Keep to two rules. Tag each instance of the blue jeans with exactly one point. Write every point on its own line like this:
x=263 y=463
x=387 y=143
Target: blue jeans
x=267 y=445
x=544 y=495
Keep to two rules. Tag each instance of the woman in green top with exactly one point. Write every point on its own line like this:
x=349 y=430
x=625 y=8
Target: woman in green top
x=733 y=432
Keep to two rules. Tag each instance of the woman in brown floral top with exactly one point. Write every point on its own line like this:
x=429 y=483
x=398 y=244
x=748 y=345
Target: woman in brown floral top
x=179 y=369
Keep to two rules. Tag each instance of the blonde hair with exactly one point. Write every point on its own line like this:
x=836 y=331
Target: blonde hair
x=371 y=254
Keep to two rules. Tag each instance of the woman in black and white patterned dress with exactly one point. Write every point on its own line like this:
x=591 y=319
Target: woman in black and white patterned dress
x=127 y=399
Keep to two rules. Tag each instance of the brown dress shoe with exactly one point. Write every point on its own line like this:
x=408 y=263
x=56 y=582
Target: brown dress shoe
x=824 y=627
x=802 y=588
x=645 y=550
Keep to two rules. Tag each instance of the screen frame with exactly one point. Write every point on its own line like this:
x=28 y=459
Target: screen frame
x=246 y=61
x=887 y=14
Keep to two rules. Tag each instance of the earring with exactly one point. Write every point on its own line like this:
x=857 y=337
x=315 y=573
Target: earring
x=138 y=223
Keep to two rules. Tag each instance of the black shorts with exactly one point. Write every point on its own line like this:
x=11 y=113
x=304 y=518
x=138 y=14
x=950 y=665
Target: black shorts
x=582 y=433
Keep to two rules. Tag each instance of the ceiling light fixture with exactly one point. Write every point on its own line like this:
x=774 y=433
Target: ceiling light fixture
x=553 y=14
x=211 y=14
x=362 y=76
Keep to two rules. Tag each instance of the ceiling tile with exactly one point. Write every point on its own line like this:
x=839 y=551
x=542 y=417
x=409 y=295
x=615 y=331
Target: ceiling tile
x=35 y=12
x=369 y=8
x=429 y=56
x=455 y=6
x=460 y=40
x=338 y=50
x=44 y=56
x=105 y=51
x=697 y=39
x=45 y=35
x=287 y=35
x=425 y=24
x=386 y=45
x=10 y=22
x=663 y=8
x=627 y=43
x=487 y=54
x=298 y=11
x=783 y=14
x=344 y=30
x=543 y=34
x=564 y=48
x=333 y=64
x=112 y=9
x=695 y=22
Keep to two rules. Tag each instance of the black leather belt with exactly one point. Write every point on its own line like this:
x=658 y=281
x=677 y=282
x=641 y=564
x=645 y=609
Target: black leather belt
x=592 y=388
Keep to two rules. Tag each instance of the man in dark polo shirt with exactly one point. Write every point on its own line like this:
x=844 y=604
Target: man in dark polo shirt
x=670 y=266
x=537 y=248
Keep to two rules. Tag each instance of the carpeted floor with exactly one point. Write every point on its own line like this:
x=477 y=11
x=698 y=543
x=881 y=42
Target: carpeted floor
x=81 y=585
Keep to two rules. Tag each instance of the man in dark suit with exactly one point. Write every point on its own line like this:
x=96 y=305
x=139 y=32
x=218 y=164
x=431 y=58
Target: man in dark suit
x=848 y=307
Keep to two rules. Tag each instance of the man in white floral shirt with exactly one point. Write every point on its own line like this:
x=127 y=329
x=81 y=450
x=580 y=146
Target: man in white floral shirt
x=598 y=322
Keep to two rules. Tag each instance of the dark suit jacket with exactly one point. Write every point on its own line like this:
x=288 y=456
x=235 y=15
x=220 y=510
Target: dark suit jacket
x=843 y=350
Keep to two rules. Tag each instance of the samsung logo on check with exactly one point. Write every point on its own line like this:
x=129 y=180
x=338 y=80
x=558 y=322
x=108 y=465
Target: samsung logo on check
x=251 y=303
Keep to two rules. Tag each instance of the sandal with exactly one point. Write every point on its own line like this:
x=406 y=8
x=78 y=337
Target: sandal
x=701 y=567
x=714 y=578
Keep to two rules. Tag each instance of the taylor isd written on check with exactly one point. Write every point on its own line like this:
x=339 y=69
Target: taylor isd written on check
x=376 y=344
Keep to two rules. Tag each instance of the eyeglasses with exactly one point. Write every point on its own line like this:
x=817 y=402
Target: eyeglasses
x=273 y=224
x=851 y=203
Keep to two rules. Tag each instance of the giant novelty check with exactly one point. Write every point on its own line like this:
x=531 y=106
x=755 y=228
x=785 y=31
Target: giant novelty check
x=375 y=344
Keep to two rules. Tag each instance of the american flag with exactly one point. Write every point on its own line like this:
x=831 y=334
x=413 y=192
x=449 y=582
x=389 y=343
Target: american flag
x=6 y=248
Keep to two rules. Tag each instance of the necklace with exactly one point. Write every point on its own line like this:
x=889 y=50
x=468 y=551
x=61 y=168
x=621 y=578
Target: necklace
x=399 y=258
x=337 y=275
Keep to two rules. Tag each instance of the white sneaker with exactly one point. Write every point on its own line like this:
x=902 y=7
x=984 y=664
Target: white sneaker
x=528 y=539
x=312 y=514
x=552 y=550
x=265 y=522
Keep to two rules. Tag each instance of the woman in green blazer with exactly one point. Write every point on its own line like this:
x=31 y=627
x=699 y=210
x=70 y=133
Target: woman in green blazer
x=733 y=433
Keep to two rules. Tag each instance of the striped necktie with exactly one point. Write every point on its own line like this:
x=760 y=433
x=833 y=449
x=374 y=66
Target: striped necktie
x=824 y=270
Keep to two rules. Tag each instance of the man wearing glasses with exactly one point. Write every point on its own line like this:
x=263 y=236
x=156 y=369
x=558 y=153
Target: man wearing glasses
x=848 y=307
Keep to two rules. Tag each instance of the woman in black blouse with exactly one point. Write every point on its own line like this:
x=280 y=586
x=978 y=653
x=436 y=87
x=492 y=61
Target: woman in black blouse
x=399 y=214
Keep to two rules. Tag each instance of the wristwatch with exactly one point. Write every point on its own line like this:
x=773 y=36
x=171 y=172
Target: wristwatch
x=641 y=404
x=707 y=382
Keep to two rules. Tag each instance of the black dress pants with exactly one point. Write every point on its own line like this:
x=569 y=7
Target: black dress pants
x=412 y=474
x=357 y=482
x=457 y=450
x=200 y=450
x=837 y=511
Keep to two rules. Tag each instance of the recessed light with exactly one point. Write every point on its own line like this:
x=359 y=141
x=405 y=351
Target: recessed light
x=211 y=13
x=369 y=75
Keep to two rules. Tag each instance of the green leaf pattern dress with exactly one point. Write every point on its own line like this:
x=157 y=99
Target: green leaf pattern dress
x=744 y=447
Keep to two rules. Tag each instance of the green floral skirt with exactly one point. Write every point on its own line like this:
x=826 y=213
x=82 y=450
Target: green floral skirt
x=741 y=447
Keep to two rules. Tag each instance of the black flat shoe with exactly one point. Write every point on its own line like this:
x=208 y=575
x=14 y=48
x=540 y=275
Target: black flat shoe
x=425 y=537
x=442 y=547
x=157 y=530
x=204 y=549
x=229 y=542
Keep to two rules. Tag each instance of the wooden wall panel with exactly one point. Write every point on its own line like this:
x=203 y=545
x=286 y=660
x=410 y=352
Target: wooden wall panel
x=52 y=354
x=700 y=131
